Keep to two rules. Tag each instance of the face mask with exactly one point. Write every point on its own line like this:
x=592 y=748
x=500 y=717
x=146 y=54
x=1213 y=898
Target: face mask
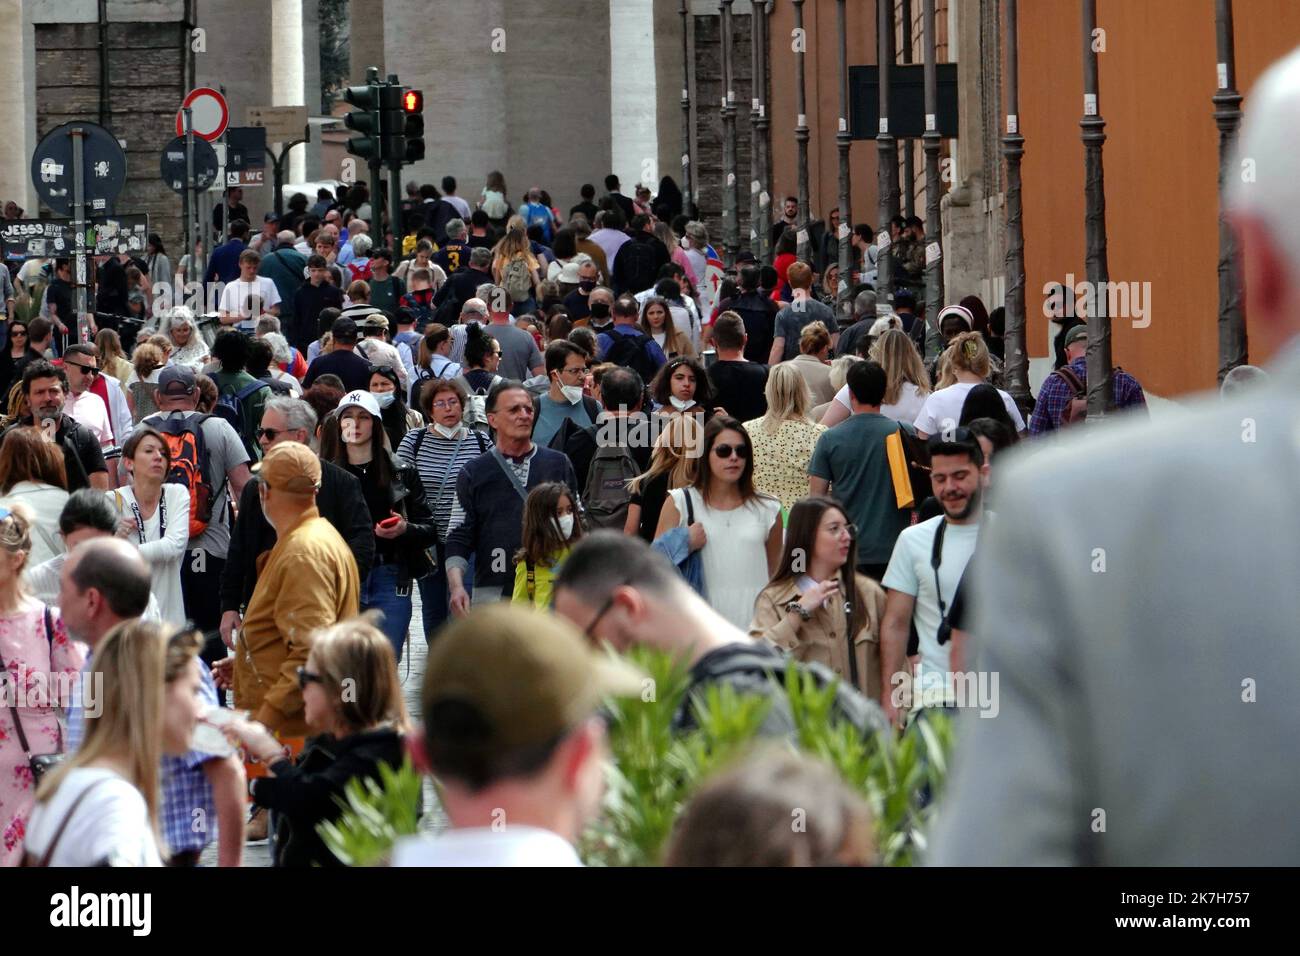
x=600 y=310
x=681 y=404
x=384 y=398
x=586 y=285
x=566 y=526
x=446 y=432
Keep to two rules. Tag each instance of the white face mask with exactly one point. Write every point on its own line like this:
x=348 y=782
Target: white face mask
x=572 y=392
x=681 y=404
x=566 y=526
x=446 y=432
x=384 y=398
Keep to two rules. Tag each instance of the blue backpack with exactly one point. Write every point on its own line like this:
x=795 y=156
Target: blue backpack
x=536 y=214
x=230 y=409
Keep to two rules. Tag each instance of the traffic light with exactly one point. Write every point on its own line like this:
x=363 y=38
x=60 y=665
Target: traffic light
x=391 y=125
x=413 y=107
x=364 y=120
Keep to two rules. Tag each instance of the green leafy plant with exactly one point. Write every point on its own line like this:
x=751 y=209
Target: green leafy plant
x=656 y=769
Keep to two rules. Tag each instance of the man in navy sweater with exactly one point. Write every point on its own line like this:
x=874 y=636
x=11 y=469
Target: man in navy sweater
x=492 y=489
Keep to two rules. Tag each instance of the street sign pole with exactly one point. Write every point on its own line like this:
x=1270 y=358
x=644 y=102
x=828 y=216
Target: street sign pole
x=189 y=193
x=79 y=225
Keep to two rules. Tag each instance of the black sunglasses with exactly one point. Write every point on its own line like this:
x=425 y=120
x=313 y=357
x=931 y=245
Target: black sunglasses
x=22 y=332
x=87 y=369
x=382 y=370
x=724 y=451
x=270 y=433
x=306 y=677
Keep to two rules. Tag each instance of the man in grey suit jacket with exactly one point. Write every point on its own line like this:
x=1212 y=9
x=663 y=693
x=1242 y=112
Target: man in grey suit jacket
x=1140 y=600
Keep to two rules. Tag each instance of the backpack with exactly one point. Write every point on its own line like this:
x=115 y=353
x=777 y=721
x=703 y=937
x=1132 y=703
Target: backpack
x=188 y=450
x=231 y=410
x=630 y=351
x=606 y=496
x=637 y=265
x=517 y=279
x=1076 y=410
x=536 y=214
x=475 y=415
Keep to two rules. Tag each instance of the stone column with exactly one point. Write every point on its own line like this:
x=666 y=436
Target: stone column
x=288 y=72
x=18 y=104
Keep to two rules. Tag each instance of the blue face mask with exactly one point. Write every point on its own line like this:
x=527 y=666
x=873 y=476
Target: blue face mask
x=384 y=398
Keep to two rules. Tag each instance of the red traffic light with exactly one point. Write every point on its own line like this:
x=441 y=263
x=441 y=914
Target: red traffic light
x=413 y=101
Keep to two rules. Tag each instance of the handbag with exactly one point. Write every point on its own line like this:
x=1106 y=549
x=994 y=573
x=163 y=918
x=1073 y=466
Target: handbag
x=40 y=764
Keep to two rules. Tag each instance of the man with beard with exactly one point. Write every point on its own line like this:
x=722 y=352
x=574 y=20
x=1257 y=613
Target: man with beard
x=924 y=574
x=46 y=388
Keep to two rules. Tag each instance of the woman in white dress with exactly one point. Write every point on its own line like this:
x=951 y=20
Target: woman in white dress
x=102 y=805
x=736 y=529
x=156 y=517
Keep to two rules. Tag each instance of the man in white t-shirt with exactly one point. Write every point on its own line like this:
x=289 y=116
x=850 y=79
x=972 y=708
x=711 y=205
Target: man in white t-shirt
x=510 y=730
x=920 y=594
x=249 y=297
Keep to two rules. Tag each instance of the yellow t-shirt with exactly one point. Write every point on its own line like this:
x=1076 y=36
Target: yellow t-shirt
x=542 y=584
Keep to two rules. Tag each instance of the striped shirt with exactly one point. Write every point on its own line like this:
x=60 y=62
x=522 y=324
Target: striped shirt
x=439 y=462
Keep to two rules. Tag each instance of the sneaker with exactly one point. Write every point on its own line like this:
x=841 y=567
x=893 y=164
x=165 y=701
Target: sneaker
x=255 y=831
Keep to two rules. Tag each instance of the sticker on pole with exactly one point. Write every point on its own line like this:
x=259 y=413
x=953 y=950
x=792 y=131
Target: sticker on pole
x=210 y=111
x=1089 y=104
x=1013 y=124
x=933 y=253
x=103 y=168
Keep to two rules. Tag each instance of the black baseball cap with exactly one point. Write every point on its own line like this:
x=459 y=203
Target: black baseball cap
x=344 y=329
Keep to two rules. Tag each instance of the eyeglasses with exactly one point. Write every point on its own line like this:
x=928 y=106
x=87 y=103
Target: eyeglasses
x=579 y=370
x=725 y=451
x=270 y=433
x=447 y=403
x=86 y=369
x=306 y=677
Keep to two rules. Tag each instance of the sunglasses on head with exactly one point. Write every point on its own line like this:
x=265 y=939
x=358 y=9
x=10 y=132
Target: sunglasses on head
x=725 y=451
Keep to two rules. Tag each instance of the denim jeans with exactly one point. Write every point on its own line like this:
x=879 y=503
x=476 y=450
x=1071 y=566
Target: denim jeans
x=434 y=594
x=379 y=591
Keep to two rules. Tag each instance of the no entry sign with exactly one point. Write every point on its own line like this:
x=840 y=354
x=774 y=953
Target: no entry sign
x=210 y=113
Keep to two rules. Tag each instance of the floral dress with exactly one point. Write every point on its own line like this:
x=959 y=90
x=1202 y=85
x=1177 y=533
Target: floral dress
x=41 y=664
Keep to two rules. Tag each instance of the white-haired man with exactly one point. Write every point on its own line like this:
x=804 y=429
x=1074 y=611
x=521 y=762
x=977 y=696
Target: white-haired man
x=1139 y=617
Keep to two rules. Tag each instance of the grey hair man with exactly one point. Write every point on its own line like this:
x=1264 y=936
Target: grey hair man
x=340 y=501
x=1136 y=647
x=476 y=311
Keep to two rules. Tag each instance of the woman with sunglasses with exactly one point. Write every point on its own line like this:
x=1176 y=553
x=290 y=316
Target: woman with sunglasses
x=736 y=529
x=33 y=641
x=682 y=387
x=352 y=701
x=155 y=515
x=353 y=438
x=102 y=806
x=11 y=359
x=817 y=605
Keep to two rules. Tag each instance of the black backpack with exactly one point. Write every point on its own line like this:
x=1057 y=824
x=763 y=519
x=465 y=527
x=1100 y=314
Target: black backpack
x=606 y=496
x=757 y=669
x=638 y=266
x=630 y=351
x=760 y=325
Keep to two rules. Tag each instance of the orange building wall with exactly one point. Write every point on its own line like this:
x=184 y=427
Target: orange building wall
x=1156 y=77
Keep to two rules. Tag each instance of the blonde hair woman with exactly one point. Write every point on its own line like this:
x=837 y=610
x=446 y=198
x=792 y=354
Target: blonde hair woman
x=512 y=257
x=352 y=697
x=907 y=381
x=826 y=413
x=112 y=360
x=101 y=806
x=672 y=465
x=783 y=440
x=34 y=641
x=969 y=366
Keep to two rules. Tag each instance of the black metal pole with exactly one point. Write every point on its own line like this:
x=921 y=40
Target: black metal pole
x=755 y=212
x=843 y=141
x=887 y=159
x=187 y=195
x=1013 y=148
x=79 y=232
x=1100 y=388
x=909 y=172
x=760 y=134
x=730 y=187
x=933 y=185
x=801 y=133
x=686 y=112
x=1233 y=346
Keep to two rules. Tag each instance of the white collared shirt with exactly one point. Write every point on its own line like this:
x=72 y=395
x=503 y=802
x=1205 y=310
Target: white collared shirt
x=513 y=845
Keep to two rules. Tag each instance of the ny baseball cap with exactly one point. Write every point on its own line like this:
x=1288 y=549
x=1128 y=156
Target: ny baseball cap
x=291 y=467
x=359 y=399
x=176 y=380
x=526 y=676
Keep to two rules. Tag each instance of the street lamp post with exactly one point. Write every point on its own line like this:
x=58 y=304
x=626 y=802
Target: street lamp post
x=933 y=185
x=730 y=197
x=1227 y=116
x=760 y=134
x=843 y=141
x=686 y=113
x=755 y=159
x=801 y=132
x=1013 y=148
x=888 y=158
x=1100 y=388
x=909 y=174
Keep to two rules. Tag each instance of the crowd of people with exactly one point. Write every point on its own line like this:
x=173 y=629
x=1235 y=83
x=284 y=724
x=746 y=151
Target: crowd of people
x=545 y=427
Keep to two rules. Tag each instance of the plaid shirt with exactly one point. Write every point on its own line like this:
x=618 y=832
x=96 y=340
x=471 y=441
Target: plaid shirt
x=1056 y=394
x=184 y=786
